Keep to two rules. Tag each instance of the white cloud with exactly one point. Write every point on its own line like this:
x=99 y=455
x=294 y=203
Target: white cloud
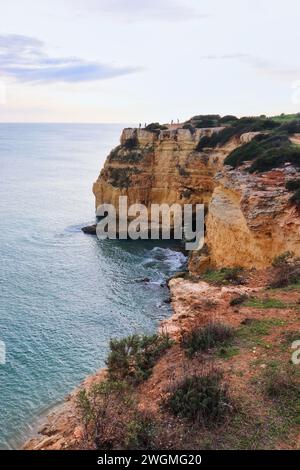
x=24 y=58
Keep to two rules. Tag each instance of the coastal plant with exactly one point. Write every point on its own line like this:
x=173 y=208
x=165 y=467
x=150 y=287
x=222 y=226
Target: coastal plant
x=293 y=185
x=224 y=276
x=254 y=329
x=286 y=272
x=204 y=338
x=264 y=303
x=111 y=419
x=133 y=358
x=121 y=177
x=131 y=143
x=295 y=199
x=239 y=300
x=203 y=399
x=281 y=383
x=154 y=126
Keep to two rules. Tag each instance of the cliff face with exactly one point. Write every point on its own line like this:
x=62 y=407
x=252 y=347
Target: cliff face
x=159 y=167
x=250 y=217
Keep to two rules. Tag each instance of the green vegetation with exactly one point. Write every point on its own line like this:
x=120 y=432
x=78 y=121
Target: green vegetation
x=131 y=143
x=224 y=276
x=264 y=303
x=112 y=420
x=207 y=337
x=133 y=358
x=239 y=127
x=201 y=399
x=287 y=270
x=204 y=121
x=203 y=142
x=282 y=385
x=121 y=177
x=285 y=118
x=227 y=352
x=266 y=151
x=238 y=300
x=293 y=185
x=295 y=199
x=155 y=126
x=253 y=329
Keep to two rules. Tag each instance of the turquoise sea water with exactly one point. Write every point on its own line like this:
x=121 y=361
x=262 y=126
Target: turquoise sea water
x=63 y=293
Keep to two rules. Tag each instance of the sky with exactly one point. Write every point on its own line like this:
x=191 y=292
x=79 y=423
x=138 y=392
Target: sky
x=137 y=61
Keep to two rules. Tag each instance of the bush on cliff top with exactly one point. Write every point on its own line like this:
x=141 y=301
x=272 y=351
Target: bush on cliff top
x=267 y=151
x=239 y=127
x=133 y=358
x=131 y=143
x=207 y=337
x=202 y=399
x=155 y=126
x=111 y=419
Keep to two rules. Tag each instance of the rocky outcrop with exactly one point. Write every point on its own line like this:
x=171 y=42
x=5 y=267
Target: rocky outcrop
x=250 y=218
x=159 y=167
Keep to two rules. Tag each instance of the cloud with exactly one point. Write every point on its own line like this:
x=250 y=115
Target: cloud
x=24 y=59
x=142 y=10
x=262 y=65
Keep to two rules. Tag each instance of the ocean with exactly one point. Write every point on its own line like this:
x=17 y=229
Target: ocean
x=64 y=294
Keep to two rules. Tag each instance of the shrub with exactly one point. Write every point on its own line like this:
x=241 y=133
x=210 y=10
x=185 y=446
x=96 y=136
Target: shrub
x=201 y=399
x=252 y=329
x=254 y=149
x=133 y=358
x=204 y=120
x=295 y=199
x=292 y=127
x=131 y=143
x=281 y=382
x=228 y=119
x=121 y=177
x=224 y=276
x=276 y=157
x=282 y=385
x=111 y=419
x=293 y=185
x=154 y=126
x=287 y=270
x=241 y=126
x=238 y=300
x=264 y=303
x=203 y=142
x=207 y=337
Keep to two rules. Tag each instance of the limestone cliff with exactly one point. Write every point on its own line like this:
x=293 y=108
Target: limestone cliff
x=250 y=219
x=159 y=167
x=250 y=216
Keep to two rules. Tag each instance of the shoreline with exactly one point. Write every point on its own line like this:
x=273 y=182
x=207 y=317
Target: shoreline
x=58 y=428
